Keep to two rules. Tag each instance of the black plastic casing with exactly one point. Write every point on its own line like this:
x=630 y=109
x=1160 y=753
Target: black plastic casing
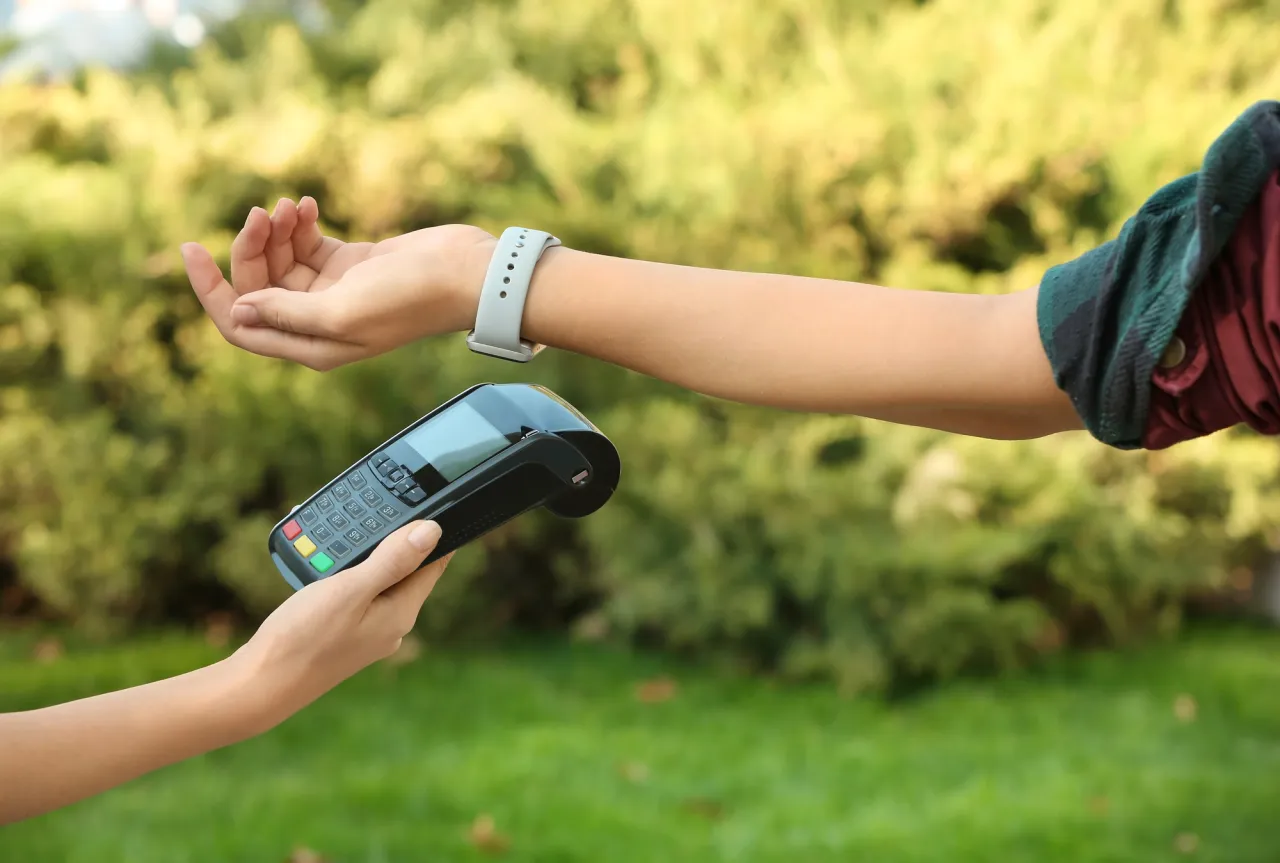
x=550 y=446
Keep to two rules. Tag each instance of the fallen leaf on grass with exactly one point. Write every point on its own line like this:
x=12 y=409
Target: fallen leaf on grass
x=485 y=837
x=305 y=855
x=712 y=810
x=634 y=771
x=1184 y=707
x=47 y=650
x=656 y=690
x=1186 y=843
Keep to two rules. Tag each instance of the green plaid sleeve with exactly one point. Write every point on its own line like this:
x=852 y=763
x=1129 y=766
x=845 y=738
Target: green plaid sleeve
x=1106 y=317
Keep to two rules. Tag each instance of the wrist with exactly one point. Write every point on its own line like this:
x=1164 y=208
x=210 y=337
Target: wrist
x=544 y=320
x=539 y=319
x=260 y=697
x=470 y=282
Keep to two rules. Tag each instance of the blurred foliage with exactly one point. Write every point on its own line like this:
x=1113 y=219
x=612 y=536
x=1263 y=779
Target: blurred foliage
x=921 y=145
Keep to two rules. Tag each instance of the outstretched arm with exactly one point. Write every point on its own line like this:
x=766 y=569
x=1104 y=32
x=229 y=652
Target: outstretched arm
x=964 y=363
x=968 y=364
x=318 y=637
x=58 y=755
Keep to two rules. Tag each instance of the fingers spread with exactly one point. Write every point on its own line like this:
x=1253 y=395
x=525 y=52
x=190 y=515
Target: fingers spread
x=248 y=253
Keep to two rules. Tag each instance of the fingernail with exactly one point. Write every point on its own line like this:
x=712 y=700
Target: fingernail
x=245 y=314
x=424 y=536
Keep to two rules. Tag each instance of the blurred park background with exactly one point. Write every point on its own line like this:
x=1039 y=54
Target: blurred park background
x=787 y=637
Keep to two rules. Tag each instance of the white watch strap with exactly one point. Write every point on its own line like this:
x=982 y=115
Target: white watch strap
x=506 y=284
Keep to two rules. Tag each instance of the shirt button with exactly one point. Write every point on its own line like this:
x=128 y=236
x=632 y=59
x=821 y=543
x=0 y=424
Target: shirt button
x=1174 y=354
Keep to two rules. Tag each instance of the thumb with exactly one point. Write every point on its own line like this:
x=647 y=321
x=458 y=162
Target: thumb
x=396 y=556
x=311 y=314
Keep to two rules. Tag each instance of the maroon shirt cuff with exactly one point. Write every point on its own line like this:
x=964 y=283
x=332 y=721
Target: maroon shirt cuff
x=1222 y=367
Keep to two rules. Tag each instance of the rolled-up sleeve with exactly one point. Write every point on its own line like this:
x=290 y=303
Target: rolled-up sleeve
x=1154 y=335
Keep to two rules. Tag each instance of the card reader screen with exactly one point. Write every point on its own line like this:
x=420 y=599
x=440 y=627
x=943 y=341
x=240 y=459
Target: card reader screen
x=456 y=441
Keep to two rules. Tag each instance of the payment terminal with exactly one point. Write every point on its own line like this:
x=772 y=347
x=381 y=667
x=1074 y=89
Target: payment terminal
x=484 y=457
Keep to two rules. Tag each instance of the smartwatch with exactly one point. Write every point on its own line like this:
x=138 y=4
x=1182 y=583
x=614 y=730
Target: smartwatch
x=506 y=284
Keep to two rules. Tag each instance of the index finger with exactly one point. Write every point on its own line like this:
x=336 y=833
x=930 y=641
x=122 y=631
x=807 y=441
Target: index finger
x=212 y=289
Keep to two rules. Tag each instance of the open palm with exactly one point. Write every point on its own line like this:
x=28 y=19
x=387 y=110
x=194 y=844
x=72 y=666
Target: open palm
x=296 y=294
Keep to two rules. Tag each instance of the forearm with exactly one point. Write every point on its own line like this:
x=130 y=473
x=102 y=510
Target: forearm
x=58 y=755
x=964 y=363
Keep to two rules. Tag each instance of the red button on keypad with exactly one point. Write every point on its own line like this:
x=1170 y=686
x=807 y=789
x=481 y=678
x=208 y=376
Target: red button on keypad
x=291 y=530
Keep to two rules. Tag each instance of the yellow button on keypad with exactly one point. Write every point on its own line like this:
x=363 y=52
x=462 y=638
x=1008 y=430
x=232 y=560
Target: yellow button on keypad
x=304 y=545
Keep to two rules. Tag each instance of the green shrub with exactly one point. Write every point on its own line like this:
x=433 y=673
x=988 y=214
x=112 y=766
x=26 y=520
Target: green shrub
x=919 y=145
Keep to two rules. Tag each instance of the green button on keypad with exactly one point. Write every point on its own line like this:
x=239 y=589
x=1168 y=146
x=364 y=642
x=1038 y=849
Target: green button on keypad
x=322 y=562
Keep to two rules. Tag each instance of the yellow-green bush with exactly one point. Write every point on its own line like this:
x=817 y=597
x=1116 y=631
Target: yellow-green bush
x=941 y=145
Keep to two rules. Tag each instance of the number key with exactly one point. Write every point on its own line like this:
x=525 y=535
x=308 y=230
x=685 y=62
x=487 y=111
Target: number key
x=354 y=536
x=370 y=497
x=388 y=511
x=353 y=509
x=338 y=521
x=325 y=503
x=322 y=533
x=341 y=492
x=371 y=524
x=357 y=480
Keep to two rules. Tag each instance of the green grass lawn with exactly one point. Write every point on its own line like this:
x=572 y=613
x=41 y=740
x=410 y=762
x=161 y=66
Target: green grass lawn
x=1087 y=761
